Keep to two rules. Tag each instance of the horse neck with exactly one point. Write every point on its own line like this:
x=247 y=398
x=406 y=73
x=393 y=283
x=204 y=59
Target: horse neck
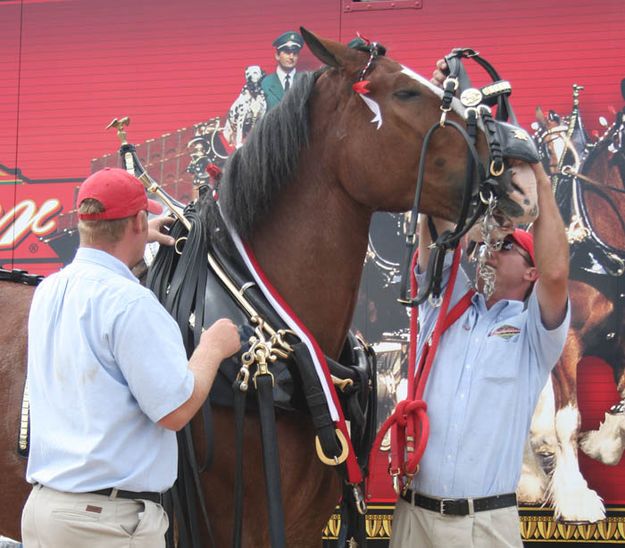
x=312 y=247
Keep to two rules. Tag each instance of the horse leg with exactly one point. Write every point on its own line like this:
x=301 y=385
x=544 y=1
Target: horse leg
x=15 y=304
x=573 y=500
x=539 y=450
x=310 y=490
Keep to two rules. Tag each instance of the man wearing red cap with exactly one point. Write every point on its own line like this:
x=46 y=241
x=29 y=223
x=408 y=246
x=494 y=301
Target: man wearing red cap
x=109 y=383
x=490 y=367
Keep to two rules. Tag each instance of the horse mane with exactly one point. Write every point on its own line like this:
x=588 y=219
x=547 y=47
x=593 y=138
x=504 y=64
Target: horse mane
x=256 y=173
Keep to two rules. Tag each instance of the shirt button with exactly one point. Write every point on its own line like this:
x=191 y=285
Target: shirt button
x=468 y=366
x=461 y=396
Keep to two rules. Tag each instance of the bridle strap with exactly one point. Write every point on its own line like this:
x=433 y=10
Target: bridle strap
x=470 y=197
x=458 y=72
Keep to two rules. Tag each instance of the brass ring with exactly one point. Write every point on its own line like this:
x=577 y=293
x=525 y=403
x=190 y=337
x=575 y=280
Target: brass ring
x=182 y=239
x=334 y=461
x=496 y=172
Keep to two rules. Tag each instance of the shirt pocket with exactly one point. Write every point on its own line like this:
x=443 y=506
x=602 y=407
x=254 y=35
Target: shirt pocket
x=499 y=363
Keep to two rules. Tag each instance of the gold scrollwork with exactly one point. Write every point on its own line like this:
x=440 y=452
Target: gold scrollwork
x=535 y=526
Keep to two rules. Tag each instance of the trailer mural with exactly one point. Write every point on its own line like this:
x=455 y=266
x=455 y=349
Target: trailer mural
x=189 y=77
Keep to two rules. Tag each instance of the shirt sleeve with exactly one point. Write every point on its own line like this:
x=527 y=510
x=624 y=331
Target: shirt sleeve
x=547 y=344
x=148 y=348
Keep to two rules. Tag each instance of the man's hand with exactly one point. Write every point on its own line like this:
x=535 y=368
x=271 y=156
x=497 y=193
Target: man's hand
x=217 y=343
x=440 y=73
x=221 y=338
x=155 y=233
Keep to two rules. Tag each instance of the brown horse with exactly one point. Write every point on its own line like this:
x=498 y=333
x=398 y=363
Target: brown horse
x=593 y=203
x=14 y=302
x=306 y=184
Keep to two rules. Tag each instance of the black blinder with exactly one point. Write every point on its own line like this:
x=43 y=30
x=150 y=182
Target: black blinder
x=516 y=144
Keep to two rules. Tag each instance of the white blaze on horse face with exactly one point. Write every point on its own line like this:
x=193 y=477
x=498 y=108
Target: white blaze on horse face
x=456 y=105
x=375 y=108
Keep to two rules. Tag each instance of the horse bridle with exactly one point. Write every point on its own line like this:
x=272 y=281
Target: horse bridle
x=479 y=196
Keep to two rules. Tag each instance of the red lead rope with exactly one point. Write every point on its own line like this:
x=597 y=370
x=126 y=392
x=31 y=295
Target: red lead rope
x=409 y=423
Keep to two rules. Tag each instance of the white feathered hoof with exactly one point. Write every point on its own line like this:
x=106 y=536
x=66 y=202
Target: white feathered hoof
x=608 y=442
x=573 y=500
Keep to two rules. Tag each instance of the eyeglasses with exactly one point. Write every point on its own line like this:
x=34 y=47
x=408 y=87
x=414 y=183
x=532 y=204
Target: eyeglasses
x=509 y=245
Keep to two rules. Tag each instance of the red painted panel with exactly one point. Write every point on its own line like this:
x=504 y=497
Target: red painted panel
x=597 y=393
x=77 y=64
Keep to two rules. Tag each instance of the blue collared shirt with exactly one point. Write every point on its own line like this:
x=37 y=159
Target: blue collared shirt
x=105 y=363
x=489 y=370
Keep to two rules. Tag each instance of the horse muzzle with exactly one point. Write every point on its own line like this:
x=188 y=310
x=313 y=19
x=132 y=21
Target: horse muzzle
x=517 y=197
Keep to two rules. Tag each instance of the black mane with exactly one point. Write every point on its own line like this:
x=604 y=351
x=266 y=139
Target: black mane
x=260 y=169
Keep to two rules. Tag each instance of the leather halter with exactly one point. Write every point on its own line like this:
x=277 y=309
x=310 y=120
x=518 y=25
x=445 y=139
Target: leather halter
x=481 y=183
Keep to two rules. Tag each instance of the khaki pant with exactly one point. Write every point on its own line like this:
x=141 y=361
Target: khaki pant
x=415 y=527
x=52 y=519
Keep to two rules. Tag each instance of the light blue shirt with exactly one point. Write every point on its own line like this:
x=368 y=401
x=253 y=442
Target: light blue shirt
x=105 y=363
x=489 y=370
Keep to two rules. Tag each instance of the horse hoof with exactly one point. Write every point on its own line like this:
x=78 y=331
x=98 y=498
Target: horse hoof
x=583 y=507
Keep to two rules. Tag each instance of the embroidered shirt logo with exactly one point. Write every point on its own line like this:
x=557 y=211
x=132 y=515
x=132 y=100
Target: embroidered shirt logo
x=505 y=332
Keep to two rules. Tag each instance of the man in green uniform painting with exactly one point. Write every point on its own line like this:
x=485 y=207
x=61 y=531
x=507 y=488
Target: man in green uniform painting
x=288 y=46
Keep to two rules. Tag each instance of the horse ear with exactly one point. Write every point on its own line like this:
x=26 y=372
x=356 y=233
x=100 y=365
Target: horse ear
x=333 y=54
x=319 y=49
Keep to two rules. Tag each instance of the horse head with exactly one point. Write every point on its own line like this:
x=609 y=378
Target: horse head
x=379 y=112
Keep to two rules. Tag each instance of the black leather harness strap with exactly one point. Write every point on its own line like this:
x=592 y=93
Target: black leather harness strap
x=473 y=195
x=271 y=459
x=20 y=276
x=239 y=394
x=316 y=401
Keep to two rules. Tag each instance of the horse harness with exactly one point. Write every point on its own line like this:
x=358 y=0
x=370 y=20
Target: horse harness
x=597 y=263
x=271 y=362
x=274 y=365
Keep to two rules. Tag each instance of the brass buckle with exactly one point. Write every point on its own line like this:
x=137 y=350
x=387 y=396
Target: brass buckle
x=334 y=461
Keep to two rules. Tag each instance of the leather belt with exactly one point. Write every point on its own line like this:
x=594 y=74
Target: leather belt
x=132 y=495
x=459 y=507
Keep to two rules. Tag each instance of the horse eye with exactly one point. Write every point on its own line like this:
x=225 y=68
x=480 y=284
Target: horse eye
x=405 y=94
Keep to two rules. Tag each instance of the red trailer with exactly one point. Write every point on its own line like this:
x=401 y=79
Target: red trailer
x=70 y=66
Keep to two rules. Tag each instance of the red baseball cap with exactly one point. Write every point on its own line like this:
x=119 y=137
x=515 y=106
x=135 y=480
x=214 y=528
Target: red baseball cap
x=121 y=194
x=525 y=240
